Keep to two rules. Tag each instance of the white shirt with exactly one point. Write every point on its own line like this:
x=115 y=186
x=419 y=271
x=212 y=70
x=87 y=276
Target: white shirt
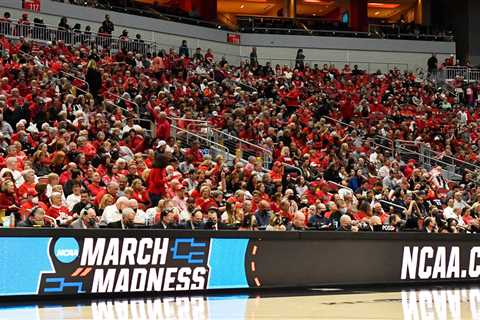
x=459 y=204
x=111 y=214
x=150 y=215
x=49 y=191
x=140 y=217
x=384 y=171
x=17 y=176
x=448 y=213
x=72 y=200
x=181 y=205
x=126 y=129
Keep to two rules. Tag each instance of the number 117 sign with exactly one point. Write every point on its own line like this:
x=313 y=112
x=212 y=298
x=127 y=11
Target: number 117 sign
x=33 y=5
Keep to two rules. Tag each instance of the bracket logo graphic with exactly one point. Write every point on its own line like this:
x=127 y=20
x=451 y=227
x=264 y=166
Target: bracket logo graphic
x=189 y=245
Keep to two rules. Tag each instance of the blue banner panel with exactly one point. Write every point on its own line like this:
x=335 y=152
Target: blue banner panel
x=23 y=261
x=227 y=263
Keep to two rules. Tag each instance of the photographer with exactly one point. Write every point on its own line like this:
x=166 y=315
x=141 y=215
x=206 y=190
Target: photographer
x=212 y=222
x=196 y=221
x=87 y=219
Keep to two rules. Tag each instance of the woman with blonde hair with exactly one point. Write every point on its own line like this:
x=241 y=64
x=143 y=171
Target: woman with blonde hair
x=53 y=180
x=129 y=192
x=107 y=200
x=93 y=78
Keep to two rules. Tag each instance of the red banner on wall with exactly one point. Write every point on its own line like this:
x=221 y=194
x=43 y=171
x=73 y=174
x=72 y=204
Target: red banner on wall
x=33 y=5
x=233 y=38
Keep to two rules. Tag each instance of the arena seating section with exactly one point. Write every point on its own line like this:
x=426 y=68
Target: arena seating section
x=86 y=126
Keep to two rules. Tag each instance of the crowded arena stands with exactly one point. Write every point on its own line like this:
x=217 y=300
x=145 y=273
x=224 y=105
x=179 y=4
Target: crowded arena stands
x=107 y=132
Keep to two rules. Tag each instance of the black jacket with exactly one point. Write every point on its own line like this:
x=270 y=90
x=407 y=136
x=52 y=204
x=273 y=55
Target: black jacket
x=189 y=225
x=218 y=226
x=118 y=225
x=94 y=80
x=163 y=226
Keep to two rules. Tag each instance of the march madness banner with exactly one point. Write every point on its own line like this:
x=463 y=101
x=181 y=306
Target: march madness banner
x=71 y=262
x=82 y=265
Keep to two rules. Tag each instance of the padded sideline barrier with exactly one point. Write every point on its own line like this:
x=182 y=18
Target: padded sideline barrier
x=42 y=262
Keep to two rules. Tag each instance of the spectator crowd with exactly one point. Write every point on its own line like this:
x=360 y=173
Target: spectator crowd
x=75 y=152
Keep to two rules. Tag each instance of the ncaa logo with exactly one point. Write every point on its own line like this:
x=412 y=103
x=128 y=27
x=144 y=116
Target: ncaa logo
x=66 y=250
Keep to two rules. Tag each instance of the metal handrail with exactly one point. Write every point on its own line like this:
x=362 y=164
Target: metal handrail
x=126 y=100
x=26 y=54
x=187 y=119
x=340 y=186
x=32 y=57
x=46 y=32
x=339 y=122
x=396 y=27
x=241 y=140
x=236 y=143
x=424 y=156
x=453 y=159
x=392 y=204
x=351 y=33
x=413 y=142
x=204 y=139
x=291 y=61
x=451 y=72
x=77 y=78
x=291 y=166
x=166 y=15
x=436 y=154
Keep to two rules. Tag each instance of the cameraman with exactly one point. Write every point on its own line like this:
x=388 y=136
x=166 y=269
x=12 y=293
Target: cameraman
x=212 y=222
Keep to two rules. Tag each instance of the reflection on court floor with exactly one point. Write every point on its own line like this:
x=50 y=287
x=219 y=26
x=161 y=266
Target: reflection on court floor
x=437 y=303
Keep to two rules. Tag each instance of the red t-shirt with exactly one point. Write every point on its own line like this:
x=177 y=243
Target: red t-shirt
x=204 y=204
x=55 y=212
x=27 y=189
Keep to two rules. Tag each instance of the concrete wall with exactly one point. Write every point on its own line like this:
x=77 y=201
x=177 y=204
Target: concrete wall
x=367 y=53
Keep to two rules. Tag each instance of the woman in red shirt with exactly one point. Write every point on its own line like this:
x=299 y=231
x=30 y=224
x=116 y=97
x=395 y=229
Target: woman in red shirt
x=57 y=210
x=94 y=187
x=205 y=200
x=8 y=197
x=28 y=187
x=140 y=193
